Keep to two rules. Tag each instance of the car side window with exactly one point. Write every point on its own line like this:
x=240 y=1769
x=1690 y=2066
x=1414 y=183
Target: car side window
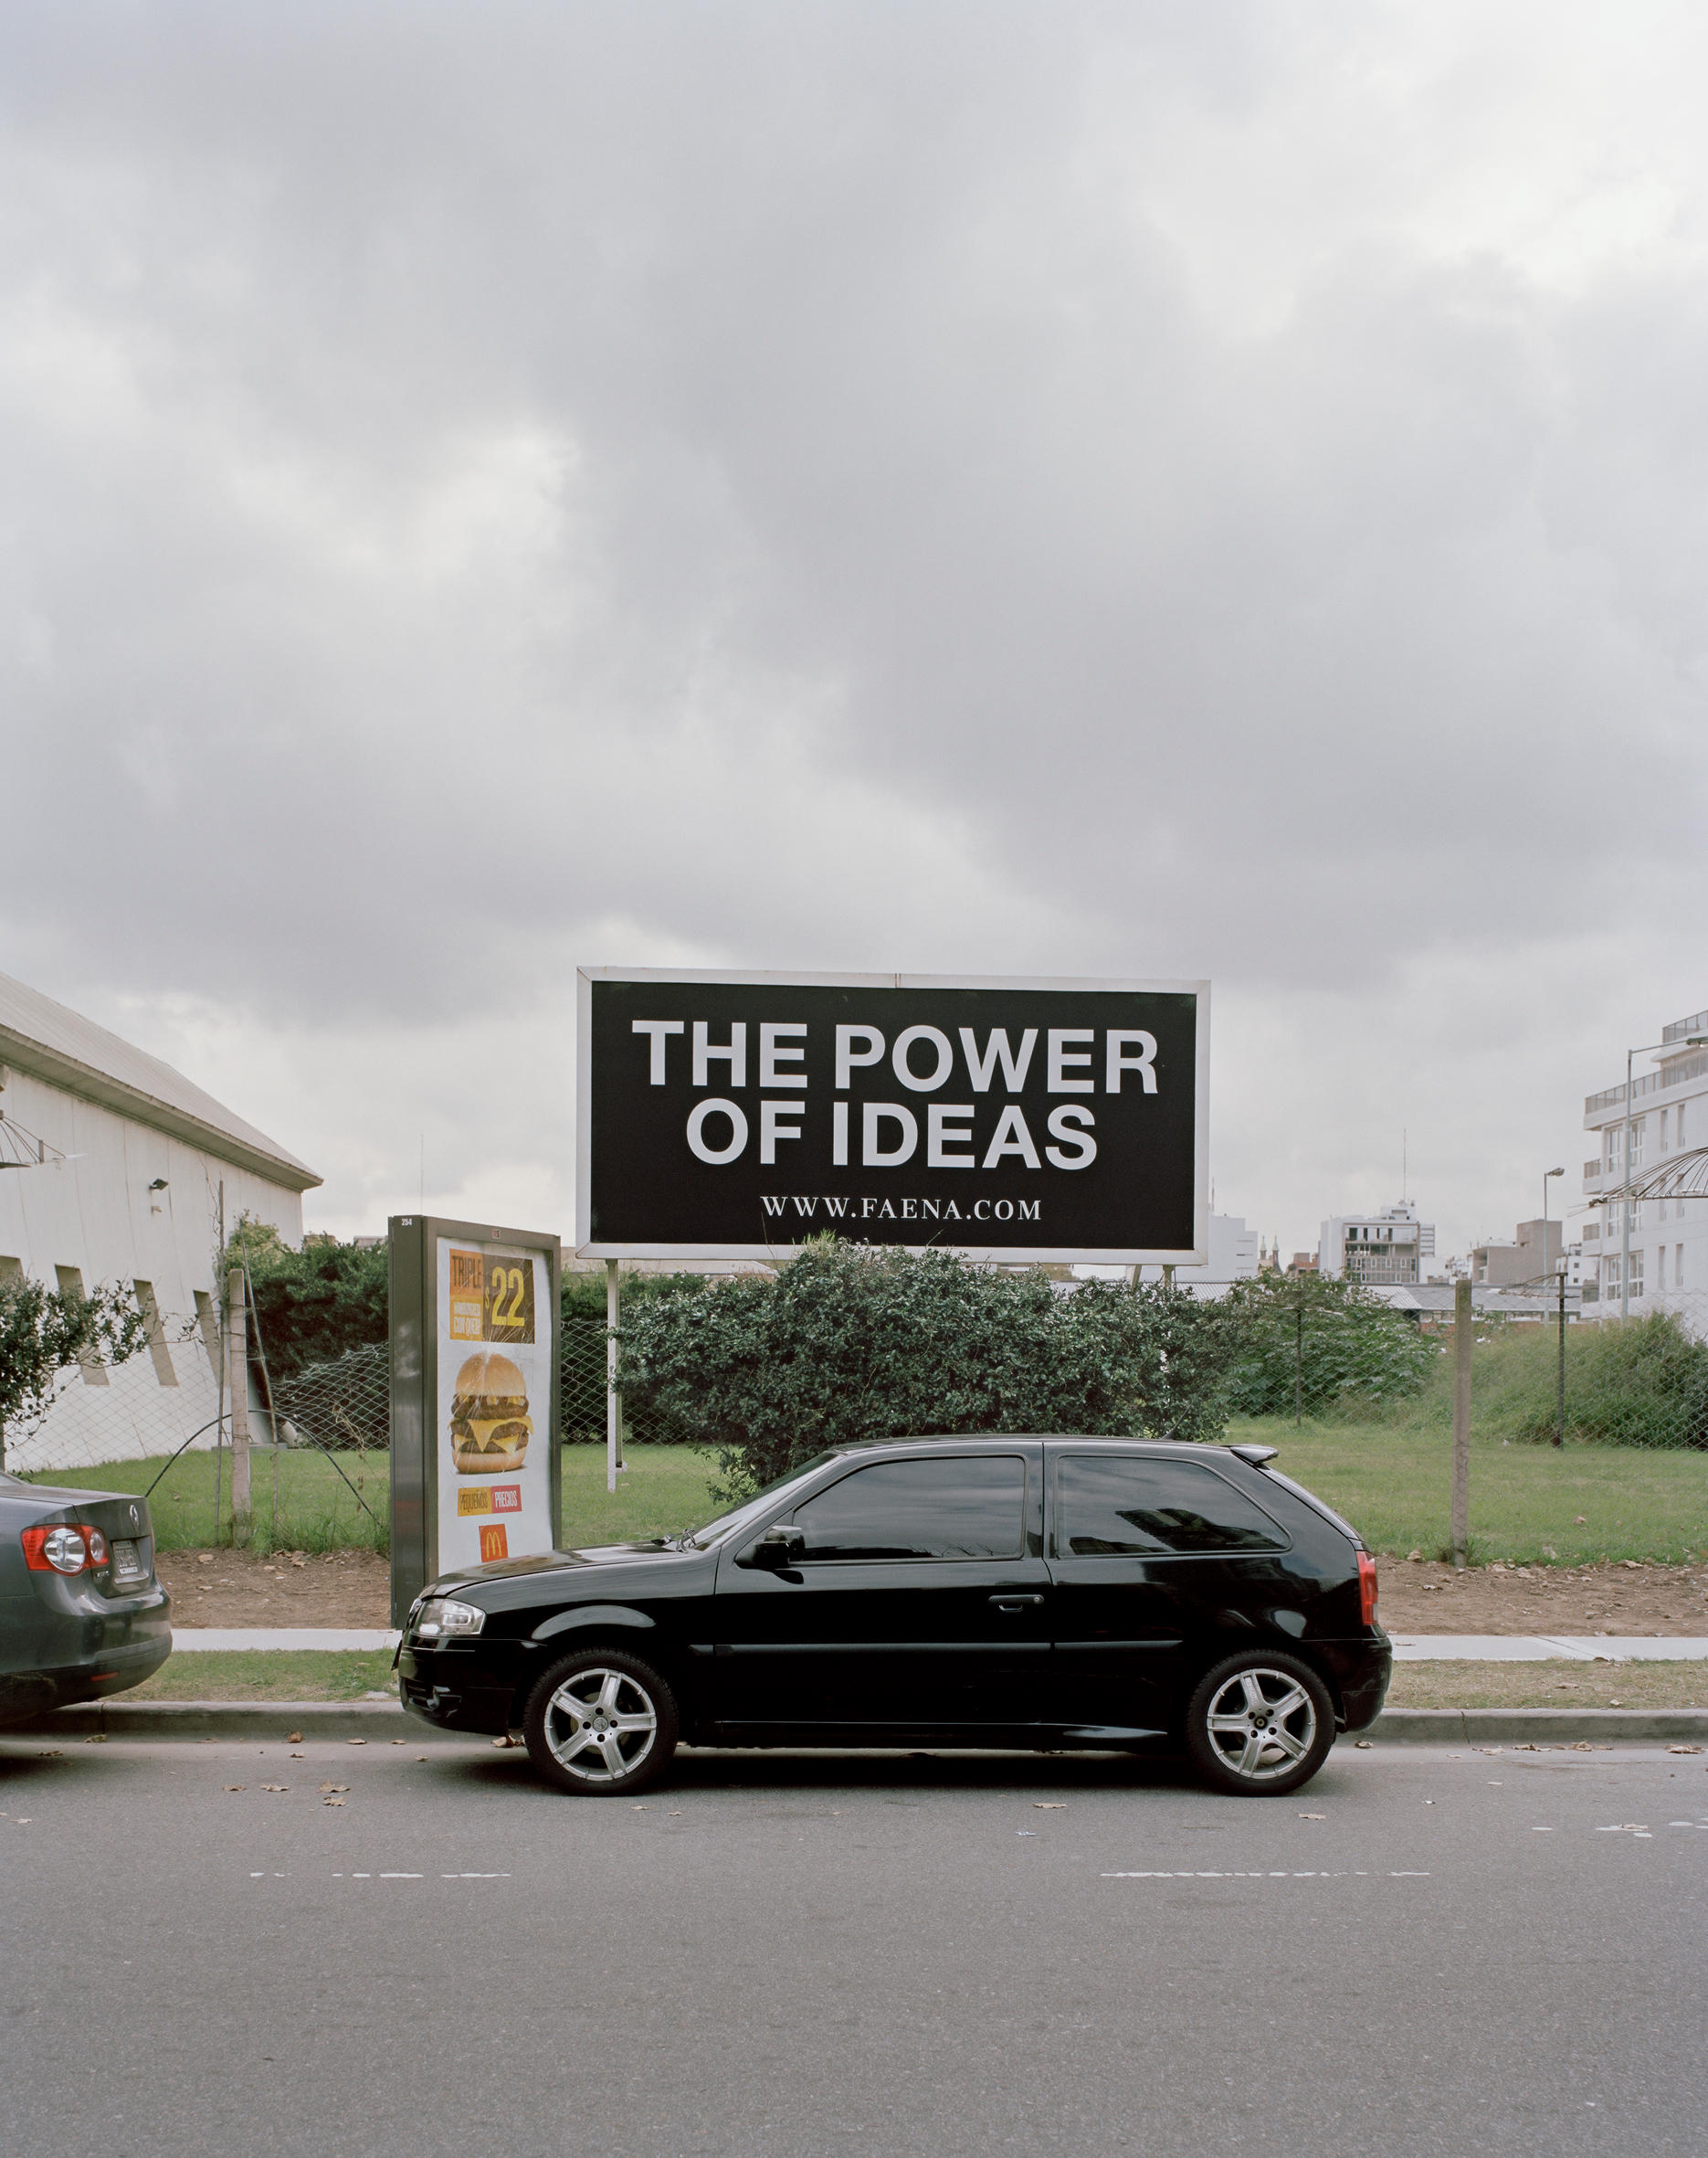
x=963 y=1507
x=1111 y=1506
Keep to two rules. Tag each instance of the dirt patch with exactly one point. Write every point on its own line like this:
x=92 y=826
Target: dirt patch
x=224 y=1588
x=1423 y=1597
x=353 y=1589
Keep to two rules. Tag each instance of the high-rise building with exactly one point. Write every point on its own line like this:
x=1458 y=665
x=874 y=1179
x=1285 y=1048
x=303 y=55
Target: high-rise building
x=1381 y=1249
x=1668 y=1241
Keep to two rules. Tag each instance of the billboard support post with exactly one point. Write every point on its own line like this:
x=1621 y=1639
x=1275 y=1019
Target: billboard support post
x=613 y=1401
x=475 y=1409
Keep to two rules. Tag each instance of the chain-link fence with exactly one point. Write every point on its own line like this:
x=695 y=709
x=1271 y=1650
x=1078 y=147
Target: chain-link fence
x=1542 y=1373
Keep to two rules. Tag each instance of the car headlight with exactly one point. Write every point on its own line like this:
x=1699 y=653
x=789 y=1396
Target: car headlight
x=441 y=1616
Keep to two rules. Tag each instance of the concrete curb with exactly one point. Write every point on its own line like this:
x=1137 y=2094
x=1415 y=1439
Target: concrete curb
x=265 y=1722
x=268 y=1723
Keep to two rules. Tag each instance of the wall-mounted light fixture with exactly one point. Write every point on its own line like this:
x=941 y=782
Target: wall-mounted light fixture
x=159 y=1184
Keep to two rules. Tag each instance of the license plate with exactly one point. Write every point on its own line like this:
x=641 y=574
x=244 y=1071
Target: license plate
x=127 y=1563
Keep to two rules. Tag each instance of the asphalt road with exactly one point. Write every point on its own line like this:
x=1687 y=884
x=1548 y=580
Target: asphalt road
x=789 y=1956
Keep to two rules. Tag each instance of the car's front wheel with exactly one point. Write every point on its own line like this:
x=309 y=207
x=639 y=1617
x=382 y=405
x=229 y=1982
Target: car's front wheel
x=1260 y=1723
x=601 y=1721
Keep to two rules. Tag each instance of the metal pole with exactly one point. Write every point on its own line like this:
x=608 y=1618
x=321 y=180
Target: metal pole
x=613 y=1410
x=219 y=1427
x=1463 y=1327
x=1298 y=1361
x=1559 y=1410
x=237 y=1363
x=1625 y=1203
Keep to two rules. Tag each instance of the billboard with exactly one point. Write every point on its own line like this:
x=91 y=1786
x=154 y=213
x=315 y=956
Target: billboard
x=475 y=1412
x=730 y=1116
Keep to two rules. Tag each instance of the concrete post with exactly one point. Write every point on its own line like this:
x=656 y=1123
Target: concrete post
x=1464 y=1338
x=237 y=1367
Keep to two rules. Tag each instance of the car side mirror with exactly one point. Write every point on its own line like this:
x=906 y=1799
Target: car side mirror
x=777 y=1549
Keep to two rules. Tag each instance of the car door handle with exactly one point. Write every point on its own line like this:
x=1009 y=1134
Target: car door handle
x=1015 y=1603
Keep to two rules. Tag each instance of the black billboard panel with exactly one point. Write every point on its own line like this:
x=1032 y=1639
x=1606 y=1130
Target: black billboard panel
x=722 y=1116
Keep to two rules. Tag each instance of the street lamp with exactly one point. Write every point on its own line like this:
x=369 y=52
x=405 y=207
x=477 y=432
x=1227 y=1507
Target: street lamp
x=1689 y=1041
x=1546 y=1175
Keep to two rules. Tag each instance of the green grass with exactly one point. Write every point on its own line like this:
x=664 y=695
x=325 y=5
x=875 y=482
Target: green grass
x=1553 y=1684
x=317 y=1510
x=1393 y=1484
x=663 y=1490
x=269 y=1675
x=1395 y=1487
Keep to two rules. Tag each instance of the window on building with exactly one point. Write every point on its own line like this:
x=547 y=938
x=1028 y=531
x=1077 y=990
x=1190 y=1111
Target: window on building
x=11 y=1269
x=1678 y=1266
x=1610 y=1267
x=71 y=1279
x=1637 y=1274
x=1614 y=1137
x=1664 y=1115
x=1661 y=1267
x=1639 y=1124
x=1678 y=1132
x=148 y=1305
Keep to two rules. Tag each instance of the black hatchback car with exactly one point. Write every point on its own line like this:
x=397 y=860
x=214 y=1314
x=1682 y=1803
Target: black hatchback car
x=1036 y=1592
x=81 y=1615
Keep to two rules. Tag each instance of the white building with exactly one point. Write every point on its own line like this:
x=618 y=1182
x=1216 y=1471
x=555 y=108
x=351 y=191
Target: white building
x=1233 y=1256
x=1669 y=1237
x=1382 y=1249
x=112 y=1169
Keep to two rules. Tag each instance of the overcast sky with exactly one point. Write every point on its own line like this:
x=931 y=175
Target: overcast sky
x=1136 y=489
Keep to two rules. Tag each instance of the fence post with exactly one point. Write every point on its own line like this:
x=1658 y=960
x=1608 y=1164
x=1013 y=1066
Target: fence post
x=1559 y=1416
x=1464 y=1327
x=613 y=1406
x=1298 y=1362
x=237 y=1364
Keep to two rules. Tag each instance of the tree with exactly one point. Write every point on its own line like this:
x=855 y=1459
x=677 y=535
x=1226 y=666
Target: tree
x=44 y=1332
x=314 y=1303
x=847 y=1344
x=1317 y=1340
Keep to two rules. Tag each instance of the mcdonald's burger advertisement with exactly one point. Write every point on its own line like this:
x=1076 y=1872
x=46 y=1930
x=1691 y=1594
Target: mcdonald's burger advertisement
x=722 y=1116
x=494 y=1406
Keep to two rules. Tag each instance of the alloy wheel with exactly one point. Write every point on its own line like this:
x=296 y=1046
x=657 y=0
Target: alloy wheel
x=1262 y=1723
x=600 y=1725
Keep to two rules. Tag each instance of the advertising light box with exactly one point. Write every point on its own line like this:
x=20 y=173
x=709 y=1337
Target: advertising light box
x=730 y=1116
x=474 y=1327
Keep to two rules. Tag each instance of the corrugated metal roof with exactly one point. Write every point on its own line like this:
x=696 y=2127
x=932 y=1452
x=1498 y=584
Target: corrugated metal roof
x=53 y=1042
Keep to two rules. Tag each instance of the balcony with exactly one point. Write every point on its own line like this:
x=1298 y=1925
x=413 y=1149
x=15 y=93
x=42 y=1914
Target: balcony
x=1689 y=1067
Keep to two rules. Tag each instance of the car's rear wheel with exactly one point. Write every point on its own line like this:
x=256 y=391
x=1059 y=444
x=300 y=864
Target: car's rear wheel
x=1260 y=1723
x=601 y=1722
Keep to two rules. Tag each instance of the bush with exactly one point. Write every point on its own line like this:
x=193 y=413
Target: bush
x=1629 y=1382
x=1354 y=1352
x=314 y=1305
x=849 y=1345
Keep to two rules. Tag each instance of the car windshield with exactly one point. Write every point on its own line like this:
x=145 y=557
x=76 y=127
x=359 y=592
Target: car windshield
x=732 y=1522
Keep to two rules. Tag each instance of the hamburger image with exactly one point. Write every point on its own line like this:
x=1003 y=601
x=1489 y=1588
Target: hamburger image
x=489 y=1424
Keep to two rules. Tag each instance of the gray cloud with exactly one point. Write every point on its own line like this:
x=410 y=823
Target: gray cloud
x=1095 y=489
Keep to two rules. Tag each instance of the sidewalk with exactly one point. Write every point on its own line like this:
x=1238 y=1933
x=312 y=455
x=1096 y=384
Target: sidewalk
x=1408 y=1648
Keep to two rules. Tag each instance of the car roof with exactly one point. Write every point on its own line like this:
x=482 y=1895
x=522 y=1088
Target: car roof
x=982 y=1440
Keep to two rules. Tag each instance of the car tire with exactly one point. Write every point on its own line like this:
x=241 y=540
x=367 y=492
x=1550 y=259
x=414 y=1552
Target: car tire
x=1259 y=1724
x=601 y=1723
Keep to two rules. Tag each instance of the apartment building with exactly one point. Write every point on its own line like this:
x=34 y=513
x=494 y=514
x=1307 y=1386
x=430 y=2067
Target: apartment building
x=1383 y=1250
x=1668 y=1266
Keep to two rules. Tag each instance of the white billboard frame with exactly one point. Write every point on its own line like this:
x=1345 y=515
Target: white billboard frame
x=741 y=978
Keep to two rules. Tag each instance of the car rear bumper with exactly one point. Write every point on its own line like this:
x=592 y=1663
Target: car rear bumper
x=112 y=1669
x=1359 y=1672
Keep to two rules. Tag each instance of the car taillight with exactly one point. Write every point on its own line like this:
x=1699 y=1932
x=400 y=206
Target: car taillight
x=66 y=1547
x=1367 y=1587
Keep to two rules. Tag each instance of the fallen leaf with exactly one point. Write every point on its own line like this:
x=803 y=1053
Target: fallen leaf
x=1320 y=1817
x=1581 y=1521
x=234 y=1787
x=332 y=1802
x=1414 y=1557
x=334 y=1786
x=1363 y=1745
x=507 y=1741
x=1684 y=1748
x=356 y=1741
x=400 y=1741
x=53 y=1753
x=420 y=1756
x=293 y=1738
x=275 y=1786
x=1050 y=1805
